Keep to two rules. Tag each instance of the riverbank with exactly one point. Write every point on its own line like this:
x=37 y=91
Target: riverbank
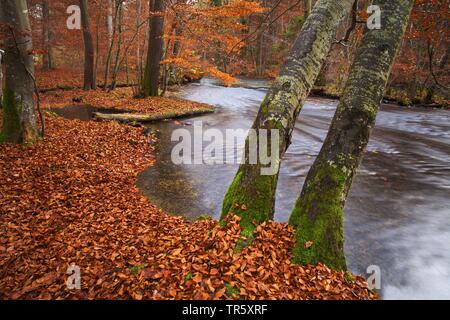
x=395 y=97
x=392 y=96
x=72 y=199
x=120 y=99
x=120 y=105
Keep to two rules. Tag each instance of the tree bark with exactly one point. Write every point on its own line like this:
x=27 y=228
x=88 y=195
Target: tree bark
x=2 y=53
x=308 y=6
x=119 y=48
x=155 y=49
x=19 y=118
x=109 y=21
x=280 y=108
x=442 y=65
x=48 y=61
x=117 y=6
x=318 y=214
x=89 y=77
x=138 y=38
x=97 y=41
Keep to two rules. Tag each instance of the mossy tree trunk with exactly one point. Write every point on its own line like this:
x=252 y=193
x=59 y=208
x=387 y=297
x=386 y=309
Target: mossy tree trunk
x=19 y=118
x=318 y=214
x=89 y=75
x=47 y=34
x=252 y=195
x=150 y=86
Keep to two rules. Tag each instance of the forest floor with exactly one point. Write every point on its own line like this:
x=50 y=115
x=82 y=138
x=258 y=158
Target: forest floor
x=59 y=88
x=121 y=99
x=72 y=199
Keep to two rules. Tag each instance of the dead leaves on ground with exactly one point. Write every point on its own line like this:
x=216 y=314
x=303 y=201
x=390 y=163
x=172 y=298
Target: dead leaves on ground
x=71 y=199
x=121 y=99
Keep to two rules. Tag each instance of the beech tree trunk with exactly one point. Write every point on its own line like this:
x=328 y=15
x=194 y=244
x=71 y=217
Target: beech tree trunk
x=280 y=108
x=308 y=6
x=116 y=67
x=109 y=21
x=89 y=76
x=138 y=37
x=19 y=118
x=155 y=49
x=117 y=9
x=48 y=61
x=318 y=215
x=2 y=53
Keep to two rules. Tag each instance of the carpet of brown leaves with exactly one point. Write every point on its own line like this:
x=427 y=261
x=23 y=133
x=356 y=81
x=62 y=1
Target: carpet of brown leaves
x=69 y=77
x=72 y=199
x=121 y=98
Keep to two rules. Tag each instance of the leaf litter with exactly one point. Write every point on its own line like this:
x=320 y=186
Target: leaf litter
x=72 y=199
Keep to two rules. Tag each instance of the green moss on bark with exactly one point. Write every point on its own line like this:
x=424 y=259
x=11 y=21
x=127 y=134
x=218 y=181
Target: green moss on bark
x=250 y=202
x=319 y=212
x=319 y=220
x=12 y=125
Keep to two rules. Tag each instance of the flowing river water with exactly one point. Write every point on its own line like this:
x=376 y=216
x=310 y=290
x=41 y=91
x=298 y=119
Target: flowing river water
x=397 y=215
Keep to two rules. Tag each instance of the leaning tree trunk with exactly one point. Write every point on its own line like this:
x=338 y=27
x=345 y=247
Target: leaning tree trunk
x=19 y=118
x=251 y=195
x=318 y=214
x=48 y=61
x=89 y=76
x=155 y=49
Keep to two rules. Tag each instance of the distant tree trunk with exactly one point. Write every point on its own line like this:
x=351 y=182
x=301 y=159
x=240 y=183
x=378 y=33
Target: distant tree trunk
x=97 y=41
x=2 y=52
x=89 y=77
x=177 y=43
x=109 y=21
x=138 y=37
x=48 y=62
x=441 y=67
x=118 y=5
x=116 y=68
x=173 y=71
x=318 y=214
x=308 y=6
x=260 y=54
x=155 y=49
x=166 y=68
x=19 y=118
x=280 y=108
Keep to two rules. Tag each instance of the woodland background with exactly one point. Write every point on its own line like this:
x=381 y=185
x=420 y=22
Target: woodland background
x=227 y=39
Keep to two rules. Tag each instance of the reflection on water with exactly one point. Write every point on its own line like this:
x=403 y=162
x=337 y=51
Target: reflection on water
x=398 y=212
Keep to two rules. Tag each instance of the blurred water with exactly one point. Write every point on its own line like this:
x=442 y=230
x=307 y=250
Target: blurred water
x=398 y=212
